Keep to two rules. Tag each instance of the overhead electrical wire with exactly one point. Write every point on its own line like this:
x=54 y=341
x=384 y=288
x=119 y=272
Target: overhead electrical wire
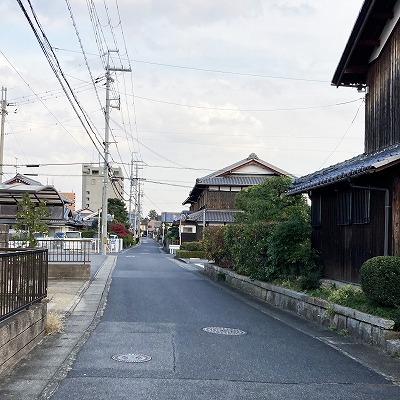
x=342 y=138
x=56 y=68
x=216 y=71
x=47 y=108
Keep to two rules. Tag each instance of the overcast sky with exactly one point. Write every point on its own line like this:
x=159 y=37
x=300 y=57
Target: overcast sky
x=211 y=82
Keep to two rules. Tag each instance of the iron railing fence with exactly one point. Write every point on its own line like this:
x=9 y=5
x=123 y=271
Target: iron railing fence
x=23 y=279
x=63 y=250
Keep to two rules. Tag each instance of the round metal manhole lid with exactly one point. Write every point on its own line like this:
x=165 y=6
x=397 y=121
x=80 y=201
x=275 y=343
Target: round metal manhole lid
x=224 y=331
x=131 y=358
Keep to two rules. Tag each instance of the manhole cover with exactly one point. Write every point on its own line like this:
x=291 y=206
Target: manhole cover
x=131 y=358
x=224 y=331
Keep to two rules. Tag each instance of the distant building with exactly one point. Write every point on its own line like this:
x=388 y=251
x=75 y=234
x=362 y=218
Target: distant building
x=92 y=185
x=71 y=196
x=61 y=217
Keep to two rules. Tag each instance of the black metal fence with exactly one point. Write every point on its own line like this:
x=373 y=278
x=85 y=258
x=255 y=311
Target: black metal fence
x=23 y=279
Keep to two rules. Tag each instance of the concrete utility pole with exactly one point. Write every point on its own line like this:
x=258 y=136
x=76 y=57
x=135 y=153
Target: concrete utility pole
x=3 y=118
x=104 y=208
x=130 y=195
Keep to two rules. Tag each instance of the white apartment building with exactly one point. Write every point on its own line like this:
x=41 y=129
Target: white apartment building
x=92 y=185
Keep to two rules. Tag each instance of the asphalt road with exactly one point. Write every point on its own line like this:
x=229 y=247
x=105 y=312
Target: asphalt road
x=159 y=307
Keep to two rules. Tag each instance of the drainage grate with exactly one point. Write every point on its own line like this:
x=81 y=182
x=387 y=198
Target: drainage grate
x=224 y=331
x=131 y=358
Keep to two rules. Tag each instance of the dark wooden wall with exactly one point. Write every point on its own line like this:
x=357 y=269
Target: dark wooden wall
x=215 y=200
x=382 y=109
x=344 y=248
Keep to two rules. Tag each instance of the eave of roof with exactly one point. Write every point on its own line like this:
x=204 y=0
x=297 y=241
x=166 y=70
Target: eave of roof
x=364 y=38
x=11 y=194
x=216 y=216
x=357 y=166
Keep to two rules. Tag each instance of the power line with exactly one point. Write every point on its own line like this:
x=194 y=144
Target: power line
x=56 y=68
x=342 y=138
x=216 y=71
x=248 y=109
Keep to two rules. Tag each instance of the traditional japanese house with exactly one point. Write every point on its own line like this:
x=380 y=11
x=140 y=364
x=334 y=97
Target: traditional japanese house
x=356 y=203
x=212 y=199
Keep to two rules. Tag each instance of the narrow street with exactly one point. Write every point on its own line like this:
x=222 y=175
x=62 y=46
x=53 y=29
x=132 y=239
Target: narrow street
x=169 y=316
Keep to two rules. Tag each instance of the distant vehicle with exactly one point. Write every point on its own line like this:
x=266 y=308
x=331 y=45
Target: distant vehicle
x=58 y=238
x=72 y=240
x=73 y=235
x=59 y=235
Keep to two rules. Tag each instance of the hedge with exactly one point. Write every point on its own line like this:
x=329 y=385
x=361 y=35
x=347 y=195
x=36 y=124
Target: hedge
x=189 y=254
x=380 y=280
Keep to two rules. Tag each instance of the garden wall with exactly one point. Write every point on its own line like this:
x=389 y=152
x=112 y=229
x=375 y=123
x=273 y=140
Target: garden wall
x=364 y=327
x=20 y=333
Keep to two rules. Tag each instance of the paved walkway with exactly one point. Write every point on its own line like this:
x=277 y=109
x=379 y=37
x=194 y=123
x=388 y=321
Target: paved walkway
x=38 y=376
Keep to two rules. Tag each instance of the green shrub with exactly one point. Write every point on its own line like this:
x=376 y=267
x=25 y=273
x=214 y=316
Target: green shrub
x=189 y=254
x=215 y=247
x=290 y=254
x=340 y=295
x=192 y=246
x=380 y=280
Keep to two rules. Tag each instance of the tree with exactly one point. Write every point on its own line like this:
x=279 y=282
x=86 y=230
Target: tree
x=153 y=215
x=117 y=208
x=29 y=218
x=268 y=202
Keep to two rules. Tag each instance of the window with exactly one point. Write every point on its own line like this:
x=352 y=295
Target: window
x=361 y=206
x=343 y=207
x=353 y=206
x=316 y=210
x=189 y=229
x=95 y=171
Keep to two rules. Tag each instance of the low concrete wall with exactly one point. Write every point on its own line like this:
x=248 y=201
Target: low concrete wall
x=20 y=333
x=70 y=271
x=364 y=327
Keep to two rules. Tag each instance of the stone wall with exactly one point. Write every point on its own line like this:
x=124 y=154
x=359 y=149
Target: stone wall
x=20 y=333
x=364 y=327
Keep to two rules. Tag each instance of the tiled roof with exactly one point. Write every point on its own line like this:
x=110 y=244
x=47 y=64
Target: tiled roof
x=233 y=180
x=169 y=217
x=232 y=176
x=19 y=178
x=214 y=216
x=359 y=165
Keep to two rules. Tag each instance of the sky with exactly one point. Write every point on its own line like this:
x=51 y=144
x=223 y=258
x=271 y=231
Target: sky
x=210 y=82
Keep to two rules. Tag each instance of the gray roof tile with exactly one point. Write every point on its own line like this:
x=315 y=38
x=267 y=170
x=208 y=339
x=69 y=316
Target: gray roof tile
x=359 y=165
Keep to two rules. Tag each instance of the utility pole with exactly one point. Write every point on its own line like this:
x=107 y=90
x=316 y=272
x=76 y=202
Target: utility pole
x=135 y=227
x=104 y=208
x=3 y=118
x=130 y=195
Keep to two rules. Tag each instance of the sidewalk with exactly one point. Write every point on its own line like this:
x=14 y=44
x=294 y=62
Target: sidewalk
x=63 y=294
x=82 y=302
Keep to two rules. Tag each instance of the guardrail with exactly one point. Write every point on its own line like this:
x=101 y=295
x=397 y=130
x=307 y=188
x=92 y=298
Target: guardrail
x=23 y=279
